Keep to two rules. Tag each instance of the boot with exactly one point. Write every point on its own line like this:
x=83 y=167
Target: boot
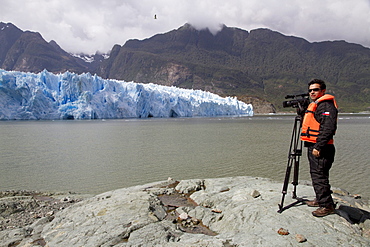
x=312 y=203
x=324 y=211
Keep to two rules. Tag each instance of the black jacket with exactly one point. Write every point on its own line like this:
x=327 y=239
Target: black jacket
x=326 y=114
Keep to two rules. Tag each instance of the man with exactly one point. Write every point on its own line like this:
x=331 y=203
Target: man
x=318 y=128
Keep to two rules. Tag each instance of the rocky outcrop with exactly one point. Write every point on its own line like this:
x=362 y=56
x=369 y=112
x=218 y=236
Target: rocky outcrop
x=260 y=106
x=237 y=211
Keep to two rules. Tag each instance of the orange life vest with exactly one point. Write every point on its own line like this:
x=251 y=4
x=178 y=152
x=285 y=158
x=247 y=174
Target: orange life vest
x=310 y=127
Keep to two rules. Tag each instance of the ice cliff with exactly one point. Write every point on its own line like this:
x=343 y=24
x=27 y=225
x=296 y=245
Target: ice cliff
x=72 y=96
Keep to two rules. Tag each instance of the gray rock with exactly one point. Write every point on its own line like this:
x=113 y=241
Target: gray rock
x=300 y=238
x=225 y=213
x=15 y=236
x=187 y=186
x=255 y=194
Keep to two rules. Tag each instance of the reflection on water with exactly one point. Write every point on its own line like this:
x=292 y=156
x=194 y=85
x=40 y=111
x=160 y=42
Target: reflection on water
x=96 y=156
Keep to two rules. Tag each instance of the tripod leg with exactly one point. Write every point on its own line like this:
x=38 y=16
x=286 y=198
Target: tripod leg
x=298 y=154
x=295 y=179
x=285 y=186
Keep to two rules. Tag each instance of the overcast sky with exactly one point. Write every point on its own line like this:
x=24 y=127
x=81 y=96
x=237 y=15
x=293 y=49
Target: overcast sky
x=96 y=25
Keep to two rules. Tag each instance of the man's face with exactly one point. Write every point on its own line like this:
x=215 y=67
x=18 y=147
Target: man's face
x=315 y=91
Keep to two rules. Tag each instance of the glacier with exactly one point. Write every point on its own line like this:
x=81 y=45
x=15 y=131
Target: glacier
x=48 y=96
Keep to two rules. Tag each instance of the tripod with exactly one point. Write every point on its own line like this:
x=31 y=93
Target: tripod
x=295 y=152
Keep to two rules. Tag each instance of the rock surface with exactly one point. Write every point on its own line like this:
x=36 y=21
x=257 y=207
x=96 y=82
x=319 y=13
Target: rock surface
x=237 y=211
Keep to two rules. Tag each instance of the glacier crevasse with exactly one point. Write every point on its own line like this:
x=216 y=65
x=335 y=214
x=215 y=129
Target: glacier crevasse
x=71 y=96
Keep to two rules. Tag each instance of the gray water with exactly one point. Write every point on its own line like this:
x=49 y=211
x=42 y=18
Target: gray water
x=97 y=156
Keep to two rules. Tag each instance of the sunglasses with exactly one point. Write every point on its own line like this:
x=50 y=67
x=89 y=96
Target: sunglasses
x=313 y=89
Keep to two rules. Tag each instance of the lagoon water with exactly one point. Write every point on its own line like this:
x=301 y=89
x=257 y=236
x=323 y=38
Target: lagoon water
x=97 y=156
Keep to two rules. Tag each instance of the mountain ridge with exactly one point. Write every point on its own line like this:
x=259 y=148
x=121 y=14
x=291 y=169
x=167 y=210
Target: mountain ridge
x=262 y=63
x=27 y=51
x=260 y=66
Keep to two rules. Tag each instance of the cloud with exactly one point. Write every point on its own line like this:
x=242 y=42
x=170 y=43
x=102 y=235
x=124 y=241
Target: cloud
x=94 y=25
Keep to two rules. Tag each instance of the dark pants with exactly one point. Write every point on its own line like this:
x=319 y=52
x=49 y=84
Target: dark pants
x=319 y=169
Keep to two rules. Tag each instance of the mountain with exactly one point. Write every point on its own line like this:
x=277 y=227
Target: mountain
x=29 y=52
x=259 y=67
x=261 y=63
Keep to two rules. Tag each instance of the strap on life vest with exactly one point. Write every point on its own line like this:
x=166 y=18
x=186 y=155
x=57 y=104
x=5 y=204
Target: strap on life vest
x=309 y=132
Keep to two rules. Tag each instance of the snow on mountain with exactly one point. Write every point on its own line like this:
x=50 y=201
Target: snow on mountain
x=72 y=96
x=89 y=58
x=86 y=58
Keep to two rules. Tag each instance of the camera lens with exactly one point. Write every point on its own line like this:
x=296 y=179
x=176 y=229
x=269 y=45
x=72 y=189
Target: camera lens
x=287 y=104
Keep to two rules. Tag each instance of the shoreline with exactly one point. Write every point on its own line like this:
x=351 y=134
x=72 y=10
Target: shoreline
x=204 y=203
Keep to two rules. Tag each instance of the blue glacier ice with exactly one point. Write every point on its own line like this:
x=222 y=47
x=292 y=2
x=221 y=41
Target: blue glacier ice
x=71 y=96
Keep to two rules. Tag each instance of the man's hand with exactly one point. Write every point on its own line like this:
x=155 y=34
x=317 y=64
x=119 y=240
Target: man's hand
x=316 y=153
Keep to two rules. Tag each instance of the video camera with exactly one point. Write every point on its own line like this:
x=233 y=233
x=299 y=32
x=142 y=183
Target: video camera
x=299 y=101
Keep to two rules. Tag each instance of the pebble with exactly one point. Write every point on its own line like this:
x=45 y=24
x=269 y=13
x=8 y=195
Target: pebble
x=357 y=196
x=283 y=231
x=216 y=211
x=183 y=216
x=50 y=213
x=300 y=238
x=255 y=193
